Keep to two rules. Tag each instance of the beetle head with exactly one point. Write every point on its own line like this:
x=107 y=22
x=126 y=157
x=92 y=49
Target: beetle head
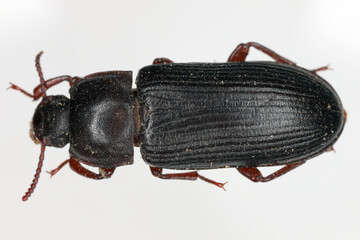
x=50 y=124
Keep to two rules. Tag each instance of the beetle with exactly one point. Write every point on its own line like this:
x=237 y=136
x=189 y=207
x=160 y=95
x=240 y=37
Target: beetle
x=190 y=116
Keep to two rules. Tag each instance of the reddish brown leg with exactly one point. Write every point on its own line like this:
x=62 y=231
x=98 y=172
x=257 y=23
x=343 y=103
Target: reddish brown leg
x=78 y=168
x=321 y=69
x=345 y=115
x=330 y=149
x=242 y=50
x=255 y=175
x=48 y=84
x=162 y=60
x=157 y=172
x=54 y=171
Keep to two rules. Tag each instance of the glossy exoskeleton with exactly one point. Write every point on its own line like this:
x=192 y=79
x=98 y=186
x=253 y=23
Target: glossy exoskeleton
x=191 y=116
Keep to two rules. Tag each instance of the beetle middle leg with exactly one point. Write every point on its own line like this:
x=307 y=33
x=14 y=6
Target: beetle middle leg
x=255 y=175
x=242 y=50
x=157 y=172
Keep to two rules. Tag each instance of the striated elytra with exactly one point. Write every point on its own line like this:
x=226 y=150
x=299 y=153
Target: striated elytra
x=249 y=114
x=191 y=116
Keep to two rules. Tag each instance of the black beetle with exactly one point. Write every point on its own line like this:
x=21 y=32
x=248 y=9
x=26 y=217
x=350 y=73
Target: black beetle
x=191 y=116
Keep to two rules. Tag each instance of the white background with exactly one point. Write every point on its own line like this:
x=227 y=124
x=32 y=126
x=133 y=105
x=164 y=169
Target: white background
x=319 y=200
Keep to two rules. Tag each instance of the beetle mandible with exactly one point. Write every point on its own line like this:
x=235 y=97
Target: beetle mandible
x=190 y=116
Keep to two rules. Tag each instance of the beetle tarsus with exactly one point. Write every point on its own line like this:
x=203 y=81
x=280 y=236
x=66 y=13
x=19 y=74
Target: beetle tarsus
x=54 y=171
x=15 y=87
x=331 y=149
x=324 y=68
x=220 y=185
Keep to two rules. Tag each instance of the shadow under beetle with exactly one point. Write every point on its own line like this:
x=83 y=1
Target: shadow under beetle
x=190 y=116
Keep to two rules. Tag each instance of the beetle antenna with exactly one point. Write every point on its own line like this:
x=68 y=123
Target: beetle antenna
x=38 y=69
x=37 y=175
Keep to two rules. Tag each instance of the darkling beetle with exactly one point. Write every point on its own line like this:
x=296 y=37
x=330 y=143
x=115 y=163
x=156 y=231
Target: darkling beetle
x=190 y=116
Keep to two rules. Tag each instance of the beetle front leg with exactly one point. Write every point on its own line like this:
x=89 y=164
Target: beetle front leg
x=157 y=172
x=54 y=171
x=48 y=84
x=78 y=168
x=242 y=50
x=255 y=175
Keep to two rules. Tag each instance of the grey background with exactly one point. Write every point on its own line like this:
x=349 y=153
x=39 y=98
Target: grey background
x=319 y=200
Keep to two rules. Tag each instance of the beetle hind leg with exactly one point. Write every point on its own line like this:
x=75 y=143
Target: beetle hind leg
x=162 y=60
x=255 y=175
x=324 y=68
x=242 y=50
x=157 y=172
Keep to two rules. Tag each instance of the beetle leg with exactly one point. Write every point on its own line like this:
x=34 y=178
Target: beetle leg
x=345 y=115
x=255 y=175
x=54 y=171
x=48 y=84
x=157 y=172
x=78 y=168
x=162 y=60
x=13 y=86
x=321 y=69
x=242 y=50
x=40 y=90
